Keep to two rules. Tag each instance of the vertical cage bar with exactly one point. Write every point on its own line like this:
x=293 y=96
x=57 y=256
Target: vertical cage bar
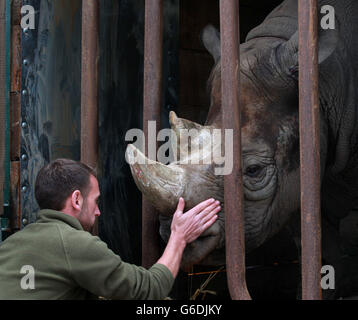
x=234 y=214
x=153 y=73
x=89 y=85
x=309 y=150
x=5 y=38
x=3 y=104
x=89 y=80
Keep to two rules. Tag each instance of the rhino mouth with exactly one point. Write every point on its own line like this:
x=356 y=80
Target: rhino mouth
x=200 y=251
x=205 y=250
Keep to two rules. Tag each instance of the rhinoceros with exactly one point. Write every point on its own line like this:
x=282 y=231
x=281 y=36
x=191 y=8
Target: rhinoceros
x=270 y=139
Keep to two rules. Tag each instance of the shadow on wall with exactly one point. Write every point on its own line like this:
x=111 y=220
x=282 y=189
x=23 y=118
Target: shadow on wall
x=50 y=109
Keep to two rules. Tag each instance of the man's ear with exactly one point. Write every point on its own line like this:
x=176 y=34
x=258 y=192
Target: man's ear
x=77 y=200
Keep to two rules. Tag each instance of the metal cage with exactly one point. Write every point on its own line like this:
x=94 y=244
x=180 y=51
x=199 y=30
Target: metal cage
x=309 y=141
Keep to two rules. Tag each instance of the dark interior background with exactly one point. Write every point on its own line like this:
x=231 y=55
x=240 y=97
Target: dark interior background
x=272 y=270
x=51 y=109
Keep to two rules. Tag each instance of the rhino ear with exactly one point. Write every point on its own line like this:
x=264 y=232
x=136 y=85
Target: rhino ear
x=327 y=43
x=211 y=40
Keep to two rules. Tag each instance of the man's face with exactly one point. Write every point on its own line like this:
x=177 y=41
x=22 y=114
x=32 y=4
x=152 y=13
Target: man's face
x=90 y=208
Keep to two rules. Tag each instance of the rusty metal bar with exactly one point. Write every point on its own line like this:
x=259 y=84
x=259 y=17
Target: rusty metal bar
x=89 y=85
x=234 y=210
x=309 y=150
x=153 y=72
x=3 y=109
x=5 y=44
x=89 y=80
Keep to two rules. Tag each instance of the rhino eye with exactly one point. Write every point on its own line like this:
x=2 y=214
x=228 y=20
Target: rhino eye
x=253 y=171
x=293 y=72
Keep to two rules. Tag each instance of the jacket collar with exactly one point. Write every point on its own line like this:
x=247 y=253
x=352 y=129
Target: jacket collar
x=48 y=215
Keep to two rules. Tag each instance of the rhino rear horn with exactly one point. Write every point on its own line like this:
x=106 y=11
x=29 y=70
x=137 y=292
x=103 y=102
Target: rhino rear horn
x=194 y=142
x=211 y=40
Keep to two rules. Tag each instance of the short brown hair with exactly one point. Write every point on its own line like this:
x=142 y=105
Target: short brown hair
x=56 y=181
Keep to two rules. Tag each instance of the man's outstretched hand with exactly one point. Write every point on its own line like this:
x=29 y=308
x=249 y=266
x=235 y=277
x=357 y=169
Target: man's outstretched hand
x=185 y=228
x=194 y=222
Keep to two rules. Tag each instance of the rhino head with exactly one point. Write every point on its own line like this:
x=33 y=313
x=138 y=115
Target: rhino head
x=270 y=151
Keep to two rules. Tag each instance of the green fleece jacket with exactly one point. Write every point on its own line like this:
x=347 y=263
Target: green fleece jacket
x=54 y=258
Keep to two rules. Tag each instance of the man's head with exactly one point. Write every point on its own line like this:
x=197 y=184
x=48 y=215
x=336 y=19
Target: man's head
x=71 y=187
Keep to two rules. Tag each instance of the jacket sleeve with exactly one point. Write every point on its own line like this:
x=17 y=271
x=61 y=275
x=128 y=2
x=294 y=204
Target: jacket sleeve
x=99 y=270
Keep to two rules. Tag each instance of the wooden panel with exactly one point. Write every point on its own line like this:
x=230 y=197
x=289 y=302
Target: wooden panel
x=16 y=59
x=195 y=62
x=194 y=72
x=16 y=12
x=265 y=5
x=194 y=16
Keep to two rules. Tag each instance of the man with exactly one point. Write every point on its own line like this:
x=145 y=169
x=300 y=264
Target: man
x=57 y=258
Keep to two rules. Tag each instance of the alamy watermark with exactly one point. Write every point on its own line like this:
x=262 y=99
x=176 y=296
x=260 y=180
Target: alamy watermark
x=328 y=280
x=189 y=146
x=28 y=17
x=328 y=21
x=27 y=282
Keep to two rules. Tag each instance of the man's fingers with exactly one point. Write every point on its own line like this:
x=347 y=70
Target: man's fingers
x=201 y=206
x=181 y=205
x=209 y=223
x=208 y=209
x=210 y=214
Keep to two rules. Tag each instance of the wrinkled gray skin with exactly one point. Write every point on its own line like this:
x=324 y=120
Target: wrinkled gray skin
x=270 y=137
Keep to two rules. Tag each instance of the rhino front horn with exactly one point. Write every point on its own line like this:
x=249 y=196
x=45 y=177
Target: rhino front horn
x=162 y=185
